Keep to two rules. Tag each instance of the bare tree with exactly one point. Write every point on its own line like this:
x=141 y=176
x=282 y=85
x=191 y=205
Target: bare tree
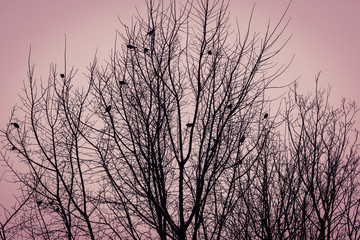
x=182 y=99
x=323 y=143
x=174 y=138
x=268 y=191
x=304 y=184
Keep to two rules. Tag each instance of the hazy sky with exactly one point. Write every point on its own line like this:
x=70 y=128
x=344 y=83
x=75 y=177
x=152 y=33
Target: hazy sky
x=326 y=38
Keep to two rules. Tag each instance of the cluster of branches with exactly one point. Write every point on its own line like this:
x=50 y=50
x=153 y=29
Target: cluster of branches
x=173 y=139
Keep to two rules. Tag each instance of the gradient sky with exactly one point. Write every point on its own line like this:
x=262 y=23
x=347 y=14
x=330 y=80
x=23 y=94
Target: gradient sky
x=326 y=38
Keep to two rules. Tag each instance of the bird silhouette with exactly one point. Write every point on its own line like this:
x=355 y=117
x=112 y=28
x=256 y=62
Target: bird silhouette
x=51 y=202
x=209 y=52
x=108 y=108
x=242 y=139
x=121 y=83
x=129 y=46
x=216 y=142
x=189 y=125
x=15 y=125
x=146 y=50
x=13 y=148
x=229 y=106
x=151 y=32
x=266 y=115
x=62 y=75
x=39 y=202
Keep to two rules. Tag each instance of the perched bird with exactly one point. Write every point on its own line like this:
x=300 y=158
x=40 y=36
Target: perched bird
x=62 y=75
x=13 y=148
x=229 y=106
x=146 y=50
x=242 y=139
x=266 y=115
x=15 y=125
x=39 y=202
x=51 y=202
x=189 y=125
x=216 y=142
x=209 y=52
x=108 y=108
x=129 y=46
x=121 y=83
x=151 y=32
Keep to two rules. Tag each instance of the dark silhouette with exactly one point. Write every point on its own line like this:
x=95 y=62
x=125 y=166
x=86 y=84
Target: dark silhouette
x=209 y=52
x=62 y=75
x=108 y=109
x=129 y=46
x=146 y=50
x=266 y=115
x=216 y=142
x=15 y=125
x=151 y=32
x=13 y=148
x=146 y=172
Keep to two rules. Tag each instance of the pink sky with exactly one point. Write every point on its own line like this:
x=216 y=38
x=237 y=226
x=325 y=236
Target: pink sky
x=326 y=38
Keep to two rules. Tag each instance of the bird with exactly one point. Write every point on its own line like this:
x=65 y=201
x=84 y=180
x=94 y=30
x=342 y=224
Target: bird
x=121 y=83
x=209 y=52
x=62 y=75
x=242 y=139
x=146 y=50
x=129 y=46
x=39 y=202
x=229 y=106
x=13 y=148
x=151 y=32
x=266 y=115
x=189 y=125
x=216 y=142
x=108 y=108
x=51 y=202
x=15 y=125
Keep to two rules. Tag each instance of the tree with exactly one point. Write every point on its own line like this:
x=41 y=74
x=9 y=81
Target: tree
x=268 y=194
x=323 y=144
x=151 y=147
x=305 y=182
x=171 y=139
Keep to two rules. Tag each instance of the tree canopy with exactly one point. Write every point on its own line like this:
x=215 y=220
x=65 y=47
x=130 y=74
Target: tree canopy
x=175 y=138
